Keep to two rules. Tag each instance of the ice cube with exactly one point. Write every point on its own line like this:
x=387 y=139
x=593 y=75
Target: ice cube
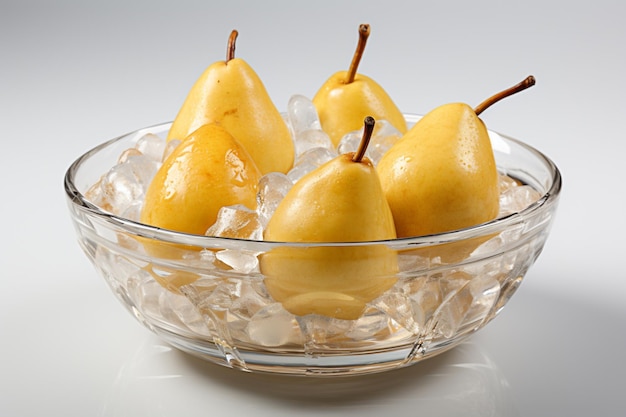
x=132 y=211
x=241 y=261
x=202 y=259
x=120 y=189
x=425 y=297
x=322 y=332
x=518 y=198
x=397 y=306
x=457 y=300
x=310 y=139
x=156 y=302
x=385 y=135
x=253 y=297
x=274 y=326
x=505 y=182
x=151 y=145
x=302 y=114
x=124 y=156
x=310 y=160
x=485 y=291
x=272 y=189
x=237 y=221
x=350 y=142
x=251 y=300
x=372 y=324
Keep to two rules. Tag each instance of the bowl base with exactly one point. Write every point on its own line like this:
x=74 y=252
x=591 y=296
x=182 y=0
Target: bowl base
x=327 y=364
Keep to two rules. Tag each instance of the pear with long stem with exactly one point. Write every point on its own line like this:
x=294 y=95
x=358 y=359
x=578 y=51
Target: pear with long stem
x=441 y=175
x=347 y=97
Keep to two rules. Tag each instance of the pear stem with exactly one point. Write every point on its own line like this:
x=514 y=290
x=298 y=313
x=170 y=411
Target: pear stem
x=230 y=51
x=364 y=33
x=526 y=83
x=368 y=129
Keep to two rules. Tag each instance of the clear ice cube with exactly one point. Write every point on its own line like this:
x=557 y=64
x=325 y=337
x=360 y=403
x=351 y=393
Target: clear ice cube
x=350 y=142
x=274 y=326
x=310 y=139
x=272 y=189
x=455 y=304
x=516 y=199
x=372 y=324
x=322 y=332
x=238 y=222
x=310 y=160
x=425 y=297
x=302 y=114
x=385 y=135
x=151 y=145
x=241 y=261
x=122 y=189
x=397 y=307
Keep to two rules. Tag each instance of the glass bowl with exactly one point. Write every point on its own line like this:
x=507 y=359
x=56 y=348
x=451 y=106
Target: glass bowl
x=208 y=297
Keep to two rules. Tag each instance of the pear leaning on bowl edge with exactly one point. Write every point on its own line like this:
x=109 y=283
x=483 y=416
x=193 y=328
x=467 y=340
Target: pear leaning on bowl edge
x=441 y=175
x=231 y=94
x=346 y=98
x=341 y=201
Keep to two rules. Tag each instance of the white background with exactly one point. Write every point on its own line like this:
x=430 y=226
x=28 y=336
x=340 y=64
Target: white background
x=74 y=74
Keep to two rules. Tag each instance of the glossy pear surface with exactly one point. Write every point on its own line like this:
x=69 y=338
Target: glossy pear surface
x=343 y=106
x=441 y=176
x=231 y=94
x=208 y=170
x=342 y=201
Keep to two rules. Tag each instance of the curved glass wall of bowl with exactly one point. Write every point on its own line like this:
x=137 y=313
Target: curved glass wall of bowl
x=207 y=296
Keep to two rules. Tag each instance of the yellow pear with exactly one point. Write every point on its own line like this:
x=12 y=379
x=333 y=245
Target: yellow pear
x=441 y=176
x=341 y=201
x=347 y=97
x=231 y=94
x=208 y=170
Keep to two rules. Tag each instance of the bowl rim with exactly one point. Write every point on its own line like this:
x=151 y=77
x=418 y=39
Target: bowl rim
x=78 y=199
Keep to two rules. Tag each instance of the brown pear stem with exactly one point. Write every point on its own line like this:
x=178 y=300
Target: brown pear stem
x=230 y=51
x=368 y=129
x=364 y=33
x=526 y=83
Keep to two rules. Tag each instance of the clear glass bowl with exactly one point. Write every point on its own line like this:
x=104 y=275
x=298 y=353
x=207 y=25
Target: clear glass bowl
x=182 y=288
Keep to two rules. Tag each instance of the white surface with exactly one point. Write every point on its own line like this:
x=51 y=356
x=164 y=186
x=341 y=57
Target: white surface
x=73 y=74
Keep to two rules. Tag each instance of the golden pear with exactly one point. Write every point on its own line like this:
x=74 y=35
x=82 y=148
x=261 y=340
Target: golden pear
x=441 y=175
x=341 y=201
x=231 y=94
x=347 y=97
x=208 y=170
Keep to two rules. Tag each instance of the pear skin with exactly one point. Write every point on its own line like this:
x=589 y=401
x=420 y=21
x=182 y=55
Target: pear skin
x=347 y=97
x=231 y=94
x=441 y=176
x=342 y=106
x=208 y=170
x=341 y=201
